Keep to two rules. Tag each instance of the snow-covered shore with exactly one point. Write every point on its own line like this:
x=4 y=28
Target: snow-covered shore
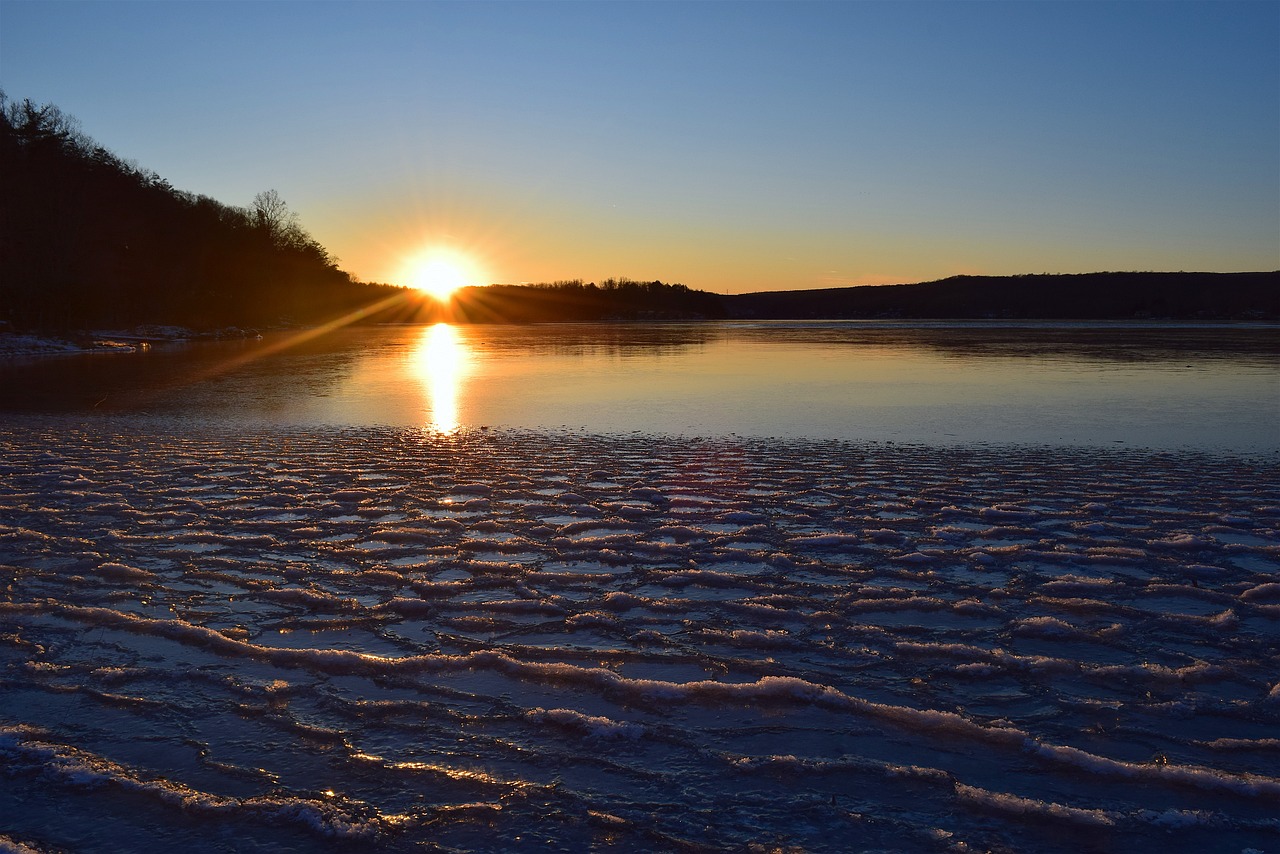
x=515 y=640
x=14 y=345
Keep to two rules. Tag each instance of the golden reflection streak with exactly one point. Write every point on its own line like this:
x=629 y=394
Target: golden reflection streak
x=440 y=362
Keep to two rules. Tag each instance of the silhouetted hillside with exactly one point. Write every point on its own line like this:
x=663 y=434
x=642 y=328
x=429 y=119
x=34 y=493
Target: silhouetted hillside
x=88 y=239
x=1086 y=296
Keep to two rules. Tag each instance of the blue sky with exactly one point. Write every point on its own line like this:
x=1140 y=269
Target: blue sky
x=730 y=146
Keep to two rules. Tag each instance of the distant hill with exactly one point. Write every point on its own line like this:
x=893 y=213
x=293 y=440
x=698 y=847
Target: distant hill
x=1088 y=296
x=1085 y=296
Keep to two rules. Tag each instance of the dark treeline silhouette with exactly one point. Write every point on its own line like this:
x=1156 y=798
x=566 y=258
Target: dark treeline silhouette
x=574 y=300
x=1084 y=296
x=88 y=239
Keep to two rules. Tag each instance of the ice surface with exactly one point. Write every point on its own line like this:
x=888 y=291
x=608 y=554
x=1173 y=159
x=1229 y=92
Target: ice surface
x=273 y=640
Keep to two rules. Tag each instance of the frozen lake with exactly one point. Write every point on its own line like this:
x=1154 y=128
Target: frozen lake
x=916 y=589
x=1146 y=386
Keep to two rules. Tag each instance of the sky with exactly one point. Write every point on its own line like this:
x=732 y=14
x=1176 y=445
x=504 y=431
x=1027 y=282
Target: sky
x=729 y=146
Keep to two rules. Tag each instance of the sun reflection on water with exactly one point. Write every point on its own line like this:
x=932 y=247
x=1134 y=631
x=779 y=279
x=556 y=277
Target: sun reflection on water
x=440 y=363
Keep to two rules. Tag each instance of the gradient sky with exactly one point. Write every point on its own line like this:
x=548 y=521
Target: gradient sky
x=729 y=146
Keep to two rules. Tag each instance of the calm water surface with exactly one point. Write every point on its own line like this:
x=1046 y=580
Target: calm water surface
x=1162 y=386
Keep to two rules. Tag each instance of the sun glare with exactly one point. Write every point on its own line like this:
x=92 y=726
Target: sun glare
x=440 y=272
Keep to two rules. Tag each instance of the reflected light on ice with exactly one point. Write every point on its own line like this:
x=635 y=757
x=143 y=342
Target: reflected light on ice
x=440 y=363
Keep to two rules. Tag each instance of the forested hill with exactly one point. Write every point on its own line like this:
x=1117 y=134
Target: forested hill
x=1086 y=296
x=90 y=240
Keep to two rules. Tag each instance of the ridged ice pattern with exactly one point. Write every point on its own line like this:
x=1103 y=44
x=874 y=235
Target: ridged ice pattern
x=293 y=640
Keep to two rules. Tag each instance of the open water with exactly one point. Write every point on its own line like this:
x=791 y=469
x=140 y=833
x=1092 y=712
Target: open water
x=1149 y=385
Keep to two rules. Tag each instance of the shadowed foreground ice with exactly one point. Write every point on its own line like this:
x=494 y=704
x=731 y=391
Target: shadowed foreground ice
x=385 y=639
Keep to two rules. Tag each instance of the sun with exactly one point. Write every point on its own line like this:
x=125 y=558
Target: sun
x=439 y=278
x=440 y=272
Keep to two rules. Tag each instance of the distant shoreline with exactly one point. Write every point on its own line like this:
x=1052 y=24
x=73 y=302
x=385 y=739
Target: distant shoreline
x=1082 y=296
x=28 y=345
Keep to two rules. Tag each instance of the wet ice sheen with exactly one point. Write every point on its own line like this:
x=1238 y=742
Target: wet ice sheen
x=274 y=640
x=1148 y=385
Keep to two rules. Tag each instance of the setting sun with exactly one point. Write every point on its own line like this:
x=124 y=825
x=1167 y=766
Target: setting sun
x=440 y=272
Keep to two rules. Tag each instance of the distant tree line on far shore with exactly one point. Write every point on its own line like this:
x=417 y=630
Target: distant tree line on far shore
x=618 y=299
x=89 y=240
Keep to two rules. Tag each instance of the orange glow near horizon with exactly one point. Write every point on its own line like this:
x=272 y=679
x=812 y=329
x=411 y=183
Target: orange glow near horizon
x=440 y=271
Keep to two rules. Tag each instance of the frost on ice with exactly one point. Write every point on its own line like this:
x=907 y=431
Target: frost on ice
x=645 y=643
